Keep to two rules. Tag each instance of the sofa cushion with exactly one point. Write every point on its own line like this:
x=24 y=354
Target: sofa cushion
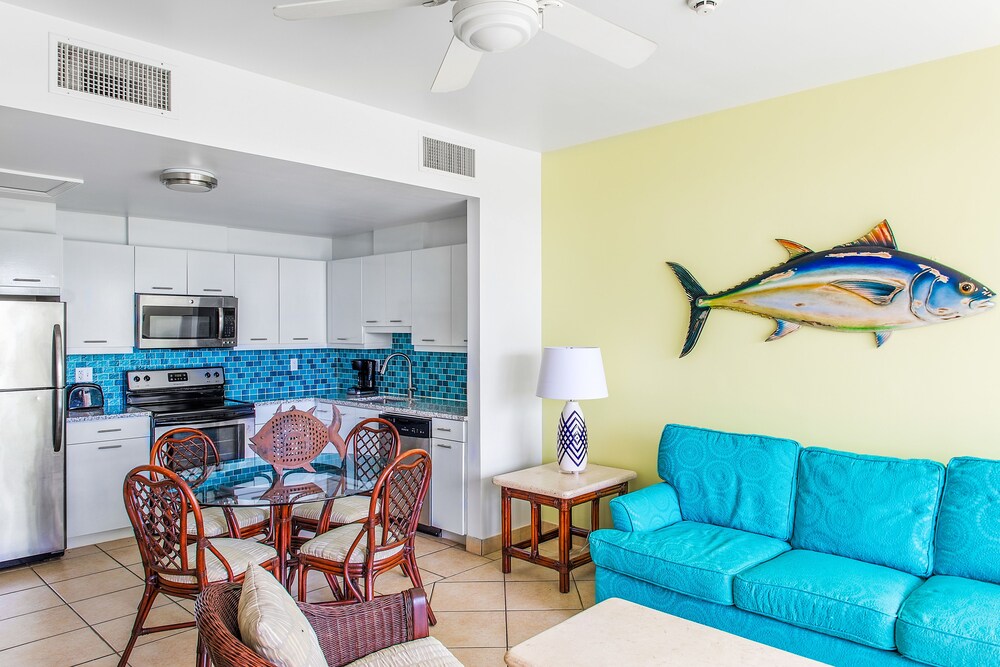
x=872 y=508
x=697 y=559
x=829 y=594
x=729 y=479
x=651 y=508
x=968 y=532
x=951 y=621
x=426 y=652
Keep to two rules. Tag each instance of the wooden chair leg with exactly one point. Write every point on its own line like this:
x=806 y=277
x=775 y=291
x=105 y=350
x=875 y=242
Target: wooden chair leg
x=203 y=657
x=303 y=572
x=145 y=604
x=411 y=570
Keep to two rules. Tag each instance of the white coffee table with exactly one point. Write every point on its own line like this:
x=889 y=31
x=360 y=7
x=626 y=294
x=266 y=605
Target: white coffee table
x=619 y=632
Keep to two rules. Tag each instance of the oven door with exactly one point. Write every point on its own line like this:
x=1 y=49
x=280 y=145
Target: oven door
x=230 y=436
x=170 y=322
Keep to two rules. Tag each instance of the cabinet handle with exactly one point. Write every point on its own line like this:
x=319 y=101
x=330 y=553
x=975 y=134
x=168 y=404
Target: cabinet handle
x=446 y=430
x=95 y=341
x=305 y=338
x=110 y=430
x=438 y=444
x=371 y=321
x=110 y=447
x=211 y=289
x=428 y=340
x=154 y=287
x=395 y=321
x=342 y=338
x=258 y=339
x=27 y=280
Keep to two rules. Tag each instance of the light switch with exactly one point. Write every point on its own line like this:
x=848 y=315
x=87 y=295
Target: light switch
x=294 y=365
x=84 y=374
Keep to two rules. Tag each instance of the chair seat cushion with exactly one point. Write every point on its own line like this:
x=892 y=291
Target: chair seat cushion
x=273 y=625
x=426 y=652
x=238 y=553
x=214 y=519
x=951 y=621
x=345 y=510
x=830 y=594
x=696 y=559
x=333 y=545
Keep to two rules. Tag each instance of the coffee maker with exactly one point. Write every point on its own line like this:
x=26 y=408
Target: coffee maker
x=367 y=377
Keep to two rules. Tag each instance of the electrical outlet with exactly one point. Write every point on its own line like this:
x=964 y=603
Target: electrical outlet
x=294 y=365
x=84 y=374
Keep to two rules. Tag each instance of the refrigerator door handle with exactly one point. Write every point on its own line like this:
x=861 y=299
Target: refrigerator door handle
x=59 y=376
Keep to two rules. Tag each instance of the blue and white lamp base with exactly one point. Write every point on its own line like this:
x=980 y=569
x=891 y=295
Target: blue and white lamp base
x=571 y=440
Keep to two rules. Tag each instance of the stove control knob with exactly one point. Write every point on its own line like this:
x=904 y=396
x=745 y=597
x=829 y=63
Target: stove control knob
x=146 y=378
x=135 y=379
x=208 y=375
x=216 y=373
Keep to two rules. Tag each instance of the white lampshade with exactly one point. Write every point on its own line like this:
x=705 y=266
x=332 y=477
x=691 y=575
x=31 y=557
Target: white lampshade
x=572 y=374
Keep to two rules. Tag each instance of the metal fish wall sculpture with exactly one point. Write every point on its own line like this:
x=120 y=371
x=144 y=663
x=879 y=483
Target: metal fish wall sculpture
x=867 y=285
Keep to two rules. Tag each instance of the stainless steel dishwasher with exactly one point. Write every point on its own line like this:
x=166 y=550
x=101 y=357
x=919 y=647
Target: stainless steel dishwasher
x=415 y=433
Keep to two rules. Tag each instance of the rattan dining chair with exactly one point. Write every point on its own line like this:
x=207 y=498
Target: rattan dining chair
x=371 y=445
x=176 y=560
x=346 y=632
x=191 y=454
x=360 y=552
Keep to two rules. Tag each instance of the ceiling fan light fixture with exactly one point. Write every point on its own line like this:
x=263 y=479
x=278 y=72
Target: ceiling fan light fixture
x=494 y=26
x=189 y=180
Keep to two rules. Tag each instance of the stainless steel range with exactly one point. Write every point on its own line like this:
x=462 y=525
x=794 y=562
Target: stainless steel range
x=193 y=398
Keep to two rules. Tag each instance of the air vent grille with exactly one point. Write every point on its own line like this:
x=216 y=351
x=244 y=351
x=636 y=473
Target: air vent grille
x=112 y=77
x=449 y=157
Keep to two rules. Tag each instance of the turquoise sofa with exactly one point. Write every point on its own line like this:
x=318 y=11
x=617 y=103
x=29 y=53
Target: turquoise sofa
x=843 y=558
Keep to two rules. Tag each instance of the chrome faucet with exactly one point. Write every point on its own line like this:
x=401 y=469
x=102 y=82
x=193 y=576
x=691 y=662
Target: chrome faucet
x=410 y=389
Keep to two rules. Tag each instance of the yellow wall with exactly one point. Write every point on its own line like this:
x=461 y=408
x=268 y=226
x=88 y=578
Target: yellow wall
x=919 y=146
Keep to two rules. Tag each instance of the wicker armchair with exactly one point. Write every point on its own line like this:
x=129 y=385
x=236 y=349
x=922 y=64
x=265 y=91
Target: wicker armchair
x=346 y=632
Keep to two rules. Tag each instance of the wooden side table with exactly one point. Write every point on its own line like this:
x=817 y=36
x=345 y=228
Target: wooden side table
x=545 y=485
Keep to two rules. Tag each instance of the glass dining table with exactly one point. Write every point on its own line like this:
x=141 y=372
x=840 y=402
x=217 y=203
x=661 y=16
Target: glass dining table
x=251 y=482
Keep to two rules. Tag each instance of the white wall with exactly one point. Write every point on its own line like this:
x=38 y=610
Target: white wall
x=233 y=109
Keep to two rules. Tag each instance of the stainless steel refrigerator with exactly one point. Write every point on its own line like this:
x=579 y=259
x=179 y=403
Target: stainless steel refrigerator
x=32 y=429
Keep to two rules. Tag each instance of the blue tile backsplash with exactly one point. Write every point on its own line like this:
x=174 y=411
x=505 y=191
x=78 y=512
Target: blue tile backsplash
x=255 y=375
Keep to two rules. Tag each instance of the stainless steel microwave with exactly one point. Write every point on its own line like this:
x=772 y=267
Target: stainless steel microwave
x=165 y=321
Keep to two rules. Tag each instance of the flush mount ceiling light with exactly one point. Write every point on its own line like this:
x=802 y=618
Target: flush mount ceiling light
x=495 y=26
x=189 y=180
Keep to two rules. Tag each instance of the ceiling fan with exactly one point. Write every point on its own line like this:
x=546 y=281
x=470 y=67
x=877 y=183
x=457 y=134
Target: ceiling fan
x=494 y=26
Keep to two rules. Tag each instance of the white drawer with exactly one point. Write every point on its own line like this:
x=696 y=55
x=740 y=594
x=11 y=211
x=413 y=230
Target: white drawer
x=303 y=404
x=262 y=413
x=107 y=429
x=448 y=429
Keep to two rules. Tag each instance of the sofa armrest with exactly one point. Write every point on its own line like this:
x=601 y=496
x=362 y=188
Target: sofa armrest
x=651 y=508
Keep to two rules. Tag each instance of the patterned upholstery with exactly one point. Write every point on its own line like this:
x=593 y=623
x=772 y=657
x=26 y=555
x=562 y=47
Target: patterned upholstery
x=968 y=543
x=238 y=553
x=273 y=625
x=729 y=479
x=426 y=652
x=345 y=510
x=872 y=508
x=214 y=519
x=333 y=545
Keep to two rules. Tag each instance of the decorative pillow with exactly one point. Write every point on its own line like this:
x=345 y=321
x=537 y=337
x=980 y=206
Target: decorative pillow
x=968 y=528
x=273 y=625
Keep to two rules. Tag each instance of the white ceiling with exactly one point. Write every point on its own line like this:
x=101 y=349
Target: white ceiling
x=548 y=94
x=120 y=171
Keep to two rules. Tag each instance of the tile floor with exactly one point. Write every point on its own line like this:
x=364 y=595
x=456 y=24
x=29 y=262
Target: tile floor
x=79 y=610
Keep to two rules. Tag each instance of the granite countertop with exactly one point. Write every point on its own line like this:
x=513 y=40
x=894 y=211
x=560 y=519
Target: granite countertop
x=418 y=407
x=108 y=413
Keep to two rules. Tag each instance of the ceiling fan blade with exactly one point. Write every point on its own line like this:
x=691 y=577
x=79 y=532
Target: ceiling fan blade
x=317 y=9
x=457 y=68
x=596 y=35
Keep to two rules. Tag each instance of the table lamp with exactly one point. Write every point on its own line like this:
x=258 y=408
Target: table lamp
x=572 y=374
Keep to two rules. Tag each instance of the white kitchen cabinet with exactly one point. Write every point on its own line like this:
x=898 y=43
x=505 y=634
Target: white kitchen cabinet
x=448 y=494
x=161 y=270
x=30 y=262
x=257 y=291
x=211 y=273
x=345 y=308
x=301 y=302
x=460 y=295
x=99 y=296
x=432 y=296
x=98 y=456
x=386 y=290
x=352 y=416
